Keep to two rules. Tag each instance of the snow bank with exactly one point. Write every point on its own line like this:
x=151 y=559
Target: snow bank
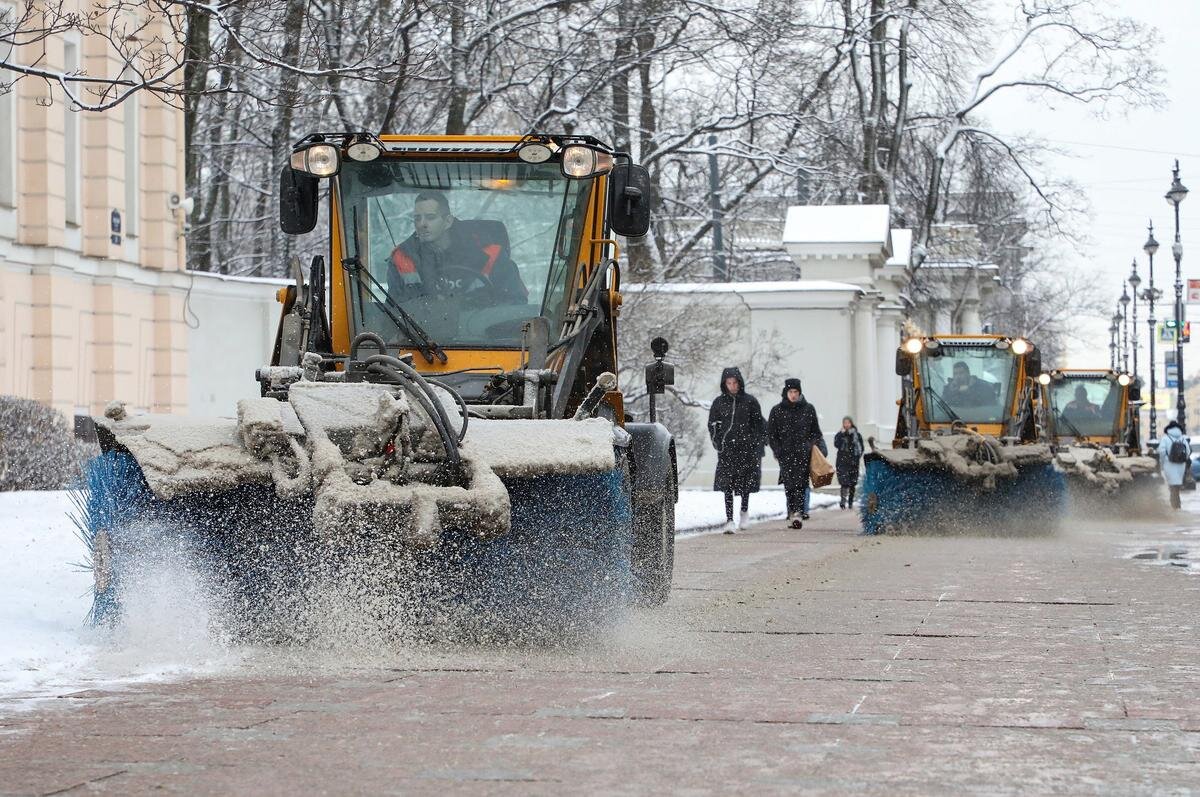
x=45 y=646
x=704 y=510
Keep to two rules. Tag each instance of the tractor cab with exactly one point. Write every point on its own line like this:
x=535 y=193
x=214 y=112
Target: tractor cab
x=1091 y=407
x=980 y=383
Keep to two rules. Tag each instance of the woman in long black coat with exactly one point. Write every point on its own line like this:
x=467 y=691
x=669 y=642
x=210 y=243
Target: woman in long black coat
x=736 y=427
x=792 y=430
x=849 y=445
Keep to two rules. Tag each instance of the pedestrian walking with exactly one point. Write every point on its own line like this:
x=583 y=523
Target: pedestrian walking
x=792 y=431
x=737 y=430
x=1175 y=454
x=849 y=445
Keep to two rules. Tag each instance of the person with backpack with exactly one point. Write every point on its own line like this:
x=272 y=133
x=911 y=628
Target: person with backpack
x=849 y=445
x=1174 y=454
x=737 y=430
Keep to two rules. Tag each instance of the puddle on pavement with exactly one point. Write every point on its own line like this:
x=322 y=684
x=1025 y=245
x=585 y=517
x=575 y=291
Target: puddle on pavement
x=1181 y=556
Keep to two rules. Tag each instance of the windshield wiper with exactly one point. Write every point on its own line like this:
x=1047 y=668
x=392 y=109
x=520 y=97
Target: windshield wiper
x=1062 y=417
x=400 y=317
x=942 y=402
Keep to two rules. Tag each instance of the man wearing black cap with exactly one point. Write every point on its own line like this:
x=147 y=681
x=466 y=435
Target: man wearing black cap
x=792 y=431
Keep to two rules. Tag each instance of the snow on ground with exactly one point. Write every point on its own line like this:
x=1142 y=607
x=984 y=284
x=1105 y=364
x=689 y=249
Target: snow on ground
x=45 y=645
x=46 y=648
x=704 y=510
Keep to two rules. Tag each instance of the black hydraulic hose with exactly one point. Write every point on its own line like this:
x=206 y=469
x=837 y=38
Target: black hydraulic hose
x=363 y=337
x=429 y=404
x=398 y=364
x=462 y=405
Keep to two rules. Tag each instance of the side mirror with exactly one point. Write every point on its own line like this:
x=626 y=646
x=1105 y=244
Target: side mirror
x=903 y=363
x=1135 y=391
x=1033 y=362
x=297 y=201
x=629 y=200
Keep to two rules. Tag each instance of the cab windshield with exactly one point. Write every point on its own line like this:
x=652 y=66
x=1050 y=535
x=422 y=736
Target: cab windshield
x=1085 y=407
x=471 y=250
x=971 y=384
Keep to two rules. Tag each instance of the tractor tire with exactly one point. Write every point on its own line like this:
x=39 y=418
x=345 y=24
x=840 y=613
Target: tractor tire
x=653 y=551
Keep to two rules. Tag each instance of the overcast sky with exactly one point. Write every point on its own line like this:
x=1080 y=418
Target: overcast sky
x=1124 y=166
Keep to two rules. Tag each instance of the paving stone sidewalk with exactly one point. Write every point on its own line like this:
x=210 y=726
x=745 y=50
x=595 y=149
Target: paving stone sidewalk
x=816 y=661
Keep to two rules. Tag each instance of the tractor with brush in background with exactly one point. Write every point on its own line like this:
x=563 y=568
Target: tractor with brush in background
x=967 y=455
x=1090 y=418
x=439 y=437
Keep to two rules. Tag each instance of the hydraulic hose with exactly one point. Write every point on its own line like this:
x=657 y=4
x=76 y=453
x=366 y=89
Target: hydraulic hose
x=429 y=403
x=399 y=365
x=458 y=399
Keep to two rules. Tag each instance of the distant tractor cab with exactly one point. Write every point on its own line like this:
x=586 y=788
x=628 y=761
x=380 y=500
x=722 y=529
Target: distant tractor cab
x=1091 y=418
x=966 y=455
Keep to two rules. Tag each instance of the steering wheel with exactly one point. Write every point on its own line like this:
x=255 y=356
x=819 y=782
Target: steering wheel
x=464 y=281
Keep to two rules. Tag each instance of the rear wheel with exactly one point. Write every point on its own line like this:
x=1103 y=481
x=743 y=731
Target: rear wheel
x=653 y=550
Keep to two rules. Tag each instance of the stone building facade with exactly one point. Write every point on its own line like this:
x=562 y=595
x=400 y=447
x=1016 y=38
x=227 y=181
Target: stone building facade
x=92 y=280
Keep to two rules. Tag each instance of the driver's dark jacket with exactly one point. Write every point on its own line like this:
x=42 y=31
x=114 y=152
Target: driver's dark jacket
x=417 y=267
x=976 y=393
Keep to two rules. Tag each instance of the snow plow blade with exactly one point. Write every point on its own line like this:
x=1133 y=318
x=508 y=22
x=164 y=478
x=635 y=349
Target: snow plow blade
x=1103 y=484
x=331 y=502
x=962 y=484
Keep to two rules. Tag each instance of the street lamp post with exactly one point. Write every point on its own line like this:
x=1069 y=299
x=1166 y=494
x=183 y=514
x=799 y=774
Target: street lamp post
x=1134 y=282
x=1115 y=329
x=1175 y=195
x=1124 y=300
x=1150 y=248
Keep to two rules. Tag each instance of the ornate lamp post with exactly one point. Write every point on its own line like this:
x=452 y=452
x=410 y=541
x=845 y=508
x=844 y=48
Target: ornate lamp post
x=1134 y=282
x=1175 y=195
x=1124 y=300
x=1115 y=330
x=1150 y=248
x=1112 y=347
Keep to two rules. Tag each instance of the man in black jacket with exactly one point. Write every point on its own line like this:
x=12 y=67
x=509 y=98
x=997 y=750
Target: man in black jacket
x=736 y=428
x=792 y=431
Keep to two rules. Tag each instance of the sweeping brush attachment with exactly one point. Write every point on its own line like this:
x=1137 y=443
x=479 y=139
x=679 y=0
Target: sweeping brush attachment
x=928 y=499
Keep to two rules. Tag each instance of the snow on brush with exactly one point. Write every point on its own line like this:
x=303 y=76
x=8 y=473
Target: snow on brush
x=46 y=647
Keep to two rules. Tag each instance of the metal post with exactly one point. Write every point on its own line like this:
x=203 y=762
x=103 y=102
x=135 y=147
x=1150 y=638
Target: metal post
x=720 y=268
x=1150 y=248
x=1175 y=196
x=1125 y=332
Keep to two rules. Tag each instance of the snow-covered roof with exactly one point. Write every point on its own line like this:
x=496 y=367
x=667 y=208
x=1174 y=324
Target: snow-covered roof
x=741 y=287
x=825 y=224
x=231 y=278
x=902 y=241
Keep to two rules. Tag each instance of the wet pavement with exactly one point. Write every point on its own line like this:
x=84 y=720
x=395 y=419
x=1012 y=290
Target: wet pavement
x=814 y=661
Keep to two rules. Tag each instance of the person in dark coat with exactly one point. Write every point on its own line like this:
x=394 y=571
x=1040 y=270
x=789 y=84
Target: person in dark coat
x=849 y=445
x=736 y=427
x=792 y=430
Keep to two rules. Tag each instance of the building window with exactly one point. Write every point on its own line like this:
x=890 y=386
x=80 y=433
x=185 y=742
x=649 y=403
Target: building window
x=71 y=142
x=133 y=166
x=8 y=118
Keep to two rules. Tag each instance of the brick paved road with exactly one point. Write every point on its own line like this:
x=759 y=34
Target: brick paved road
x=816 y=661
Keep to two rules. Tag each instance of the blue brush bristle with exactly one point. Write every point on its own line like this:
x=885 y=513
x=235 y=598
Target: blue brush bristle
x=108 y=497
x=931 y=500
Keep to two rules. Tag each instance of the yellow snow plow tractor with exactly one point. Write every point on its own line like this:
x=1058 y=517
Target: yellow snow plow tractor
x=441 y=403
x=966 y=456
x=1091 y=419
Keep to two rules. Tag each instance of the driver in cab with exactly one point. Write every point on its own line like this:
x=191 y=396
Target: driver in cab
x=447 y=256
x=1081 y=407
x=965 y=390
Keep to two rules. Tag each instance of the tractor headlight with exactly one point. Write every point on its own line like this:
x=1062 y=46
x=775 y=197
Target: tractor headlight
x=1123 y=380
x=1043 y=379
x=914 y=345
x=580 y=161
x=319 y=160
x=1020 y=346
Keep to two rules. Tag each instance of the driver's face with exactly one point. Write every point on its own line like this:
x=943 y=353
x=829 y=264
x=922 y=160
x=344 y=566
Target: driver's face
x=962 y=374
x=429 y=221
